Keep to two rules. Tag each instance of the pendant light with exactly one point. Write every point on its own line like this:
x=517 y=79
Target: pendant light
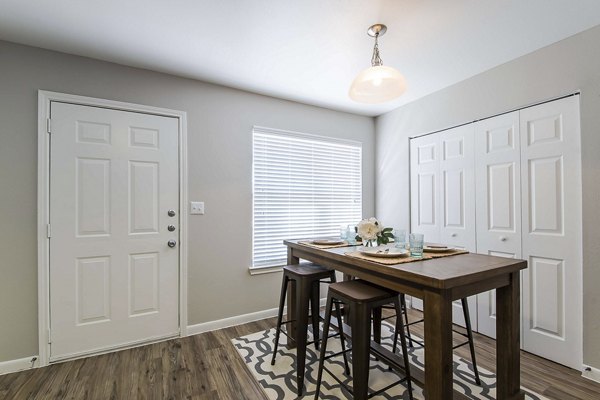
x=378 y=83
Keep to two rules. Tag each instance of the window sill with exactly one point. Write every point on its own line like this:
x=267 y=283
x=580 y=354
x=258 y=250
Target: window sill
x=265 y=270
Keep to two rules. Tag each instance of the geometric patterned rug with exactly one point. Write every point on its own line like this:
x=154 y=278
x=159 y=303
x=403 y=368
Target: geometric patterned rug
x=279 y=380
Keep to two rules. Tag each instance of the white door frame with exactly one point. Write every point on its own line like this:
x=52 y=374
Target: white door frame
x=44 y=100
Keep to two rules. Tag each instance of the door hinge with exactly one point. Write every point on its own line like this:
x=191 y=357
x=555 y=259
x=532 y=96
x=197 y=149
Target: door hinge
x=48 y=125
x=48 y=231
x=49 y=337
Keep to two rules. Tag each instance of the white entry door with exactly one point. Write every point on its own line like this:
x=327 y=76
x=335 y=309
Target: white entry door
x=551 y=196
x=113 y=277
x=498 y=177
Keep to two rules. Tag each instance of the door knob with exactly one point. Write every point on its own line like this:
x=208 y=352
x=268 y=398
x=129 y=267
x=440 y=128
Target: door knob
x=503 y=238
x=171 y=228
x=453 y=235
x=171 y=213
x=172 y=243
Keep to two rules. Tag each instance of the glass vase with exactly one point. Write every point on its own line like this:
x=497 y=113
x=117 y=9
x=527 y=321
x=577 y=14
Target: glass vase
x=370 y=243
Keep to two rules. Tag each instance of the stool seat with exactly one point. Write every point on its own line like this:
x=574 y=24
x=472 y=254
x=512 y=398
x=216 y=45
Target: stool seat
x=308 y=270
x=359 y=292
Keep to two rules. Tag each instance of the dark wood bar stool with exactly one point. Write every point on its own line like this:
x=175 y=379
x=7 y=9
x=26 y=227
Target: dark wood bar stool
x=361 y=299
x=468 y=335
x=307 y=278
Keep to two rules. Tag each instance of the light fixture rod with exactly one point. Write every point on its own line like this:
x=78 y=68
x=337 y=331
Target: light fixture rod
x=375 y=31
x=376 y=60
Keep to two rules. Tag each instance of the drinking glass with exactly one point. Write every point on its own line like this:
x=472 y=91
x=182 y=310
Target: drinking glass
x=400 y=238
x=416 y=245
x=343 y=232
x=351 y=234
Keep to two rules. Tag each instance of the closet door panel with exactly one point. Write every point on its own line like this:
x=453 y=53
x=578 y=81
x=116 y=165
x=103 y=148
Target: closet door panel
x=425 y=184
x=424 y=191
x=457 y=200
x=551 y=198
x=498 y=199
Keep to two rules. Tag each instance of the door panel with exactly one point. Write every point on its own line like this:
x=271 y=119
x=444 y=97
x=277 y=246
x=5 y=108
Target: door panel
x=93 y=197
x=498 y=193
x=113 y=279
x=442 y=196
x=424 y=158
x=458 y=188
x=424 y=191
x=457 y=228
x=551 y=197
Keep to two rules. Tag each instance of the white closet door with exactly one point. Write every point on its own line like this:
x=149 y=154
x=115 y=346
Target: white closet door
x=498 y=198
x=442 y=196
x=424 y=190
x=457 y=200
x=425 y=183
x=551 y=181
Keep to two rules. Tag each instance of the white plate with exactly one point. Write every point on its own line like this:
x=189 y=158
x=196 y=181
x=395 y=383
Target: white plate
x=387 y=252
x=437 y=249
x=329 y=242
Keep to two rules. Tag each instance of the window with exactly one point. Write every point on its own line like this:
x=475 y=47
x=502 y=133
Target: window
x=304 y=186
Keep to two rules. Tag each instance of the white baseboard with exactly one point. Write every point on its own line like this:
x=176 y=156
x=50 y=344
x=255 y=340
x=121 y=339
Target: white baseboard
x=7 y=367
x=233 y=321
x=591 y=373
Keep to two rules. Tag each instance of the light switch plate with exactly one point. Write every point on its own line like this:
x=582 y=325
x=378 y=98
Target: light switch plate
x=197 y=207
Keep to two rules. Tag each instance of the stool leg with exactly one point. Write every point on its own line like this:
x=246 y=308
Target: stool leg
x=324 y=343
x=377 y=324
x=314 y=304
x=405 y=311
x=465 y=307
x=403 y=315
x=360 y=316
x=284 y=285
x=303 y=290
x=338 y=313
x=400 y=330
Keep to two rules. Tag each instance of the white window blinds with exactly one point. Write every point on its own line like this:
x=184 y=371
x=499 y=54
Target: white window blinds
x=304 y=186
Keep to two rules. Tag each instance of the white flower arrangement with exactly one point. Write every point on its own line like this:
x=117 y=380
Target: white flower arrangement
x=370 y=229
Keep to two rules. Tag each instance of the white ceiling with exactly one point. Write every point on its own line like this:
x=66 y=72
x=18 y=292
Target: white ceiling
x=303 y=50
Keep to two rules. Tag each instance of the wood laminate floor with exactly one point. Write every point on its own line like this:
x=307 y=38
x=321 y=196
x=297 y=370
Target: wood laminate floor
x=207 y=367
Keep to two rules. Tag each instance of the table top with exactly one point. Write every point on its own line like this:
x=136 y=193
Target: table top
x=442 y=273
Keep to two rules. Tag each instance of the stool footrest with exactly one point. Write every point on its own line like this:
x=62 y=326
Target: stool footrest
x=460 y=345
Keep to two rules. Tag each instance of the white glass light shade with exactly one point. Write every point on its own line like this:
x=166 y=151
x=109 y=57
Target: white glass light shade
x=377 y=85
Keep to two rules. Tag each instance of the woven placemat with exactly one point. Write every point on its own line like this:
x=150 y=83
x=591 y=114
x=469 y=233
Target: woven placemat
x=309 y=243
x=452 y=252
x=403 y=260
x=386 y=261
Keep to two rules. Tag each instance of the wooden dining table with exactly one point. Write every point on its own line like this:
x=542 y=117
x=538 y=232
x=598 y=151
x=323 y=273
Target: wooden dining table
x=438 y=282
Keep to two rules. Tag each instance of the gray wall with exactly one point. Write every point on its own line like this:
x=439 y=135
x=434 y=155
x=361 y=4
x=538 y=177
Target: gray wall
x=220 y=121
x=565 y=67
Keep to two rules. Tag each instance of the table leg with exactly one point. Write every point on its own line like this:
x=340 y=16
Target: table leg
x=291 y=302
x=360 y=315
x=438 y=345
x=508 y=337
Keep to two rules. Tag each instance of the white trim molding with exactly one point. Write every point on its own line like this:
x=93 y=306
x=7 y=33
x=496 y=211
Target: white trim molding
x=21 y=364
x=237 y=320
x=591 y=373
x=45 y=98
x=231 y=321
